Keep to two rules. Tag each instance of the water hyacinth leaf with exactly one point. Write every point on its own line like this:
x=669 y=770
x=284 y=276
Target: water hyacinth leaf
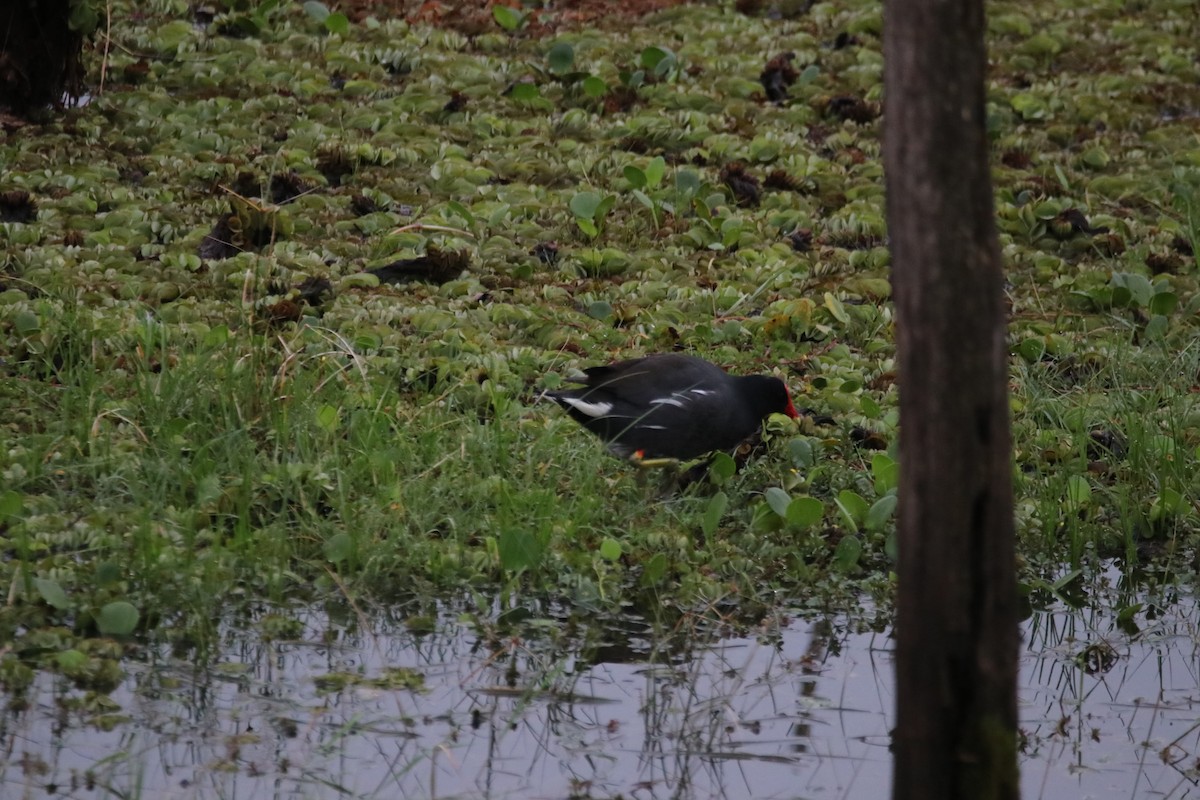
x=610 y=550
x=713 y=513
x=778 y=500
x=1156 y=328
x=1164 y=303
x=643 y=198
x=808 y=74
x=507 y=18
x=462 y=211
x=886 y=473
x=118 y=618
x=338 y=23
x=654 y=570
x=561 y=58
x=524 y=91
x=339 y=548
x=722 y=468
x=1139 y=288
x=854 y=508
x=800 y=451
x=519 y=550
x=1169 y=503
x=805 y=512
x=870 y=408
x=27 y=323
x=655 y=171
x=687 y=182
x=71 y=660
x=836 y=308
x=658 y=60
x=1032 y=349
x=601 y=310
x=605 y=206
x=588 y=227
x=327 y=417
x=584 y=205
x=847 y=553
x=52 y=593
x=594 y=87
x=636 y=178
x=880 y=512
x=1079 y=493
x=318 y=11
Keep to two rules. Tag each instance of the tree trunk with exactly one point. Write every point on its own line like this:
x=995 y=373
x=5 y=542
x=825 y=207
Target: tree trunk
x=40 y=55
x=956 y=654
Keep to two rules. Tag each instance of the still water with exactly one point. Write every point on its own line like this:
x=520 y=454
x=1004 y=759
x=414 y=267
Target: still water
x=798 y=708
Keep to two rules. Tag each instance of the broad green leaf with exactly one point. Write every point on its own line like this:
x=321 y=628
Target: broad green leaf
x=118 y=618
x=654 y=570
x=687 y=182
x=853 y=506
x=316 y=10
x=800 y=450
x=561 y=58
x=605 y=206
x=610 y=550
x=658 y=60
x=52 y=593
x=636 y=178
x=778 y=500
x=1156 y=328
x=71 y=660
x=601 y=310
x=327 y=417
x=338 y=23
x=722 y=468
x=339 y=548
x=27 y=323
x=880 y=512
x=594 y=87
x=462 y=211
x=836 y=308
x=507 y=18
x=1079 y=493
x=805 y=512
x=886 y=473
x=655 y=171
x=1164 y=303
x=584 y=204
x=524 y=90
x=713 y=513
x=588 y=227
x=847 y=553
x=642 y=198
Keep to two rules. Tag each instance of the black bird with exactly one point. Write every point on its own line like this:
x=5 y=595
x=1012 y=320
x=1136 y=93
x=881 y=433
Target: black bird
x=672 y=406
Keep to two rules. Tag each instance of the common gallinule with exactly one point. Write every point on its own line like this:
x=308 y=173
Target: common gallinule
x=672 y=406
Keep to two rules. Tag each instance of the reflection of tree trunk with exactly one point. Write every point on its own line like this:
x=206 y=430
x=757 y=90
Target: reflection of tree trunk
x=39 y=55
x=957 y=648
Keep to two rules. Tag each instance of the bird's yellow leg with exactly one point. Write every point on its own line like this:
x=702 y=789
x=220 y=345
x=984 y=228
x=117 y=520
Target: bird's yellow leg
x=641 y=462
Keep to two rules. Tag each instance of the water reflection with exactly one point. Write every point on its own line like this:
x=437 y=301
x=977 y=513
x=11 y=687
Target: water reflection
x=801 y=710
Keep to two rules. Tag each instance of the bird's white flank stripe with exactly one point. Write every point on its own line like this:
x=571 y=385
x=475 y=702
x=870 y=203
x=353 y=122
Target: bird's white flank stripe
x=591 y=409
x=701 y=392
x=667 y=401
